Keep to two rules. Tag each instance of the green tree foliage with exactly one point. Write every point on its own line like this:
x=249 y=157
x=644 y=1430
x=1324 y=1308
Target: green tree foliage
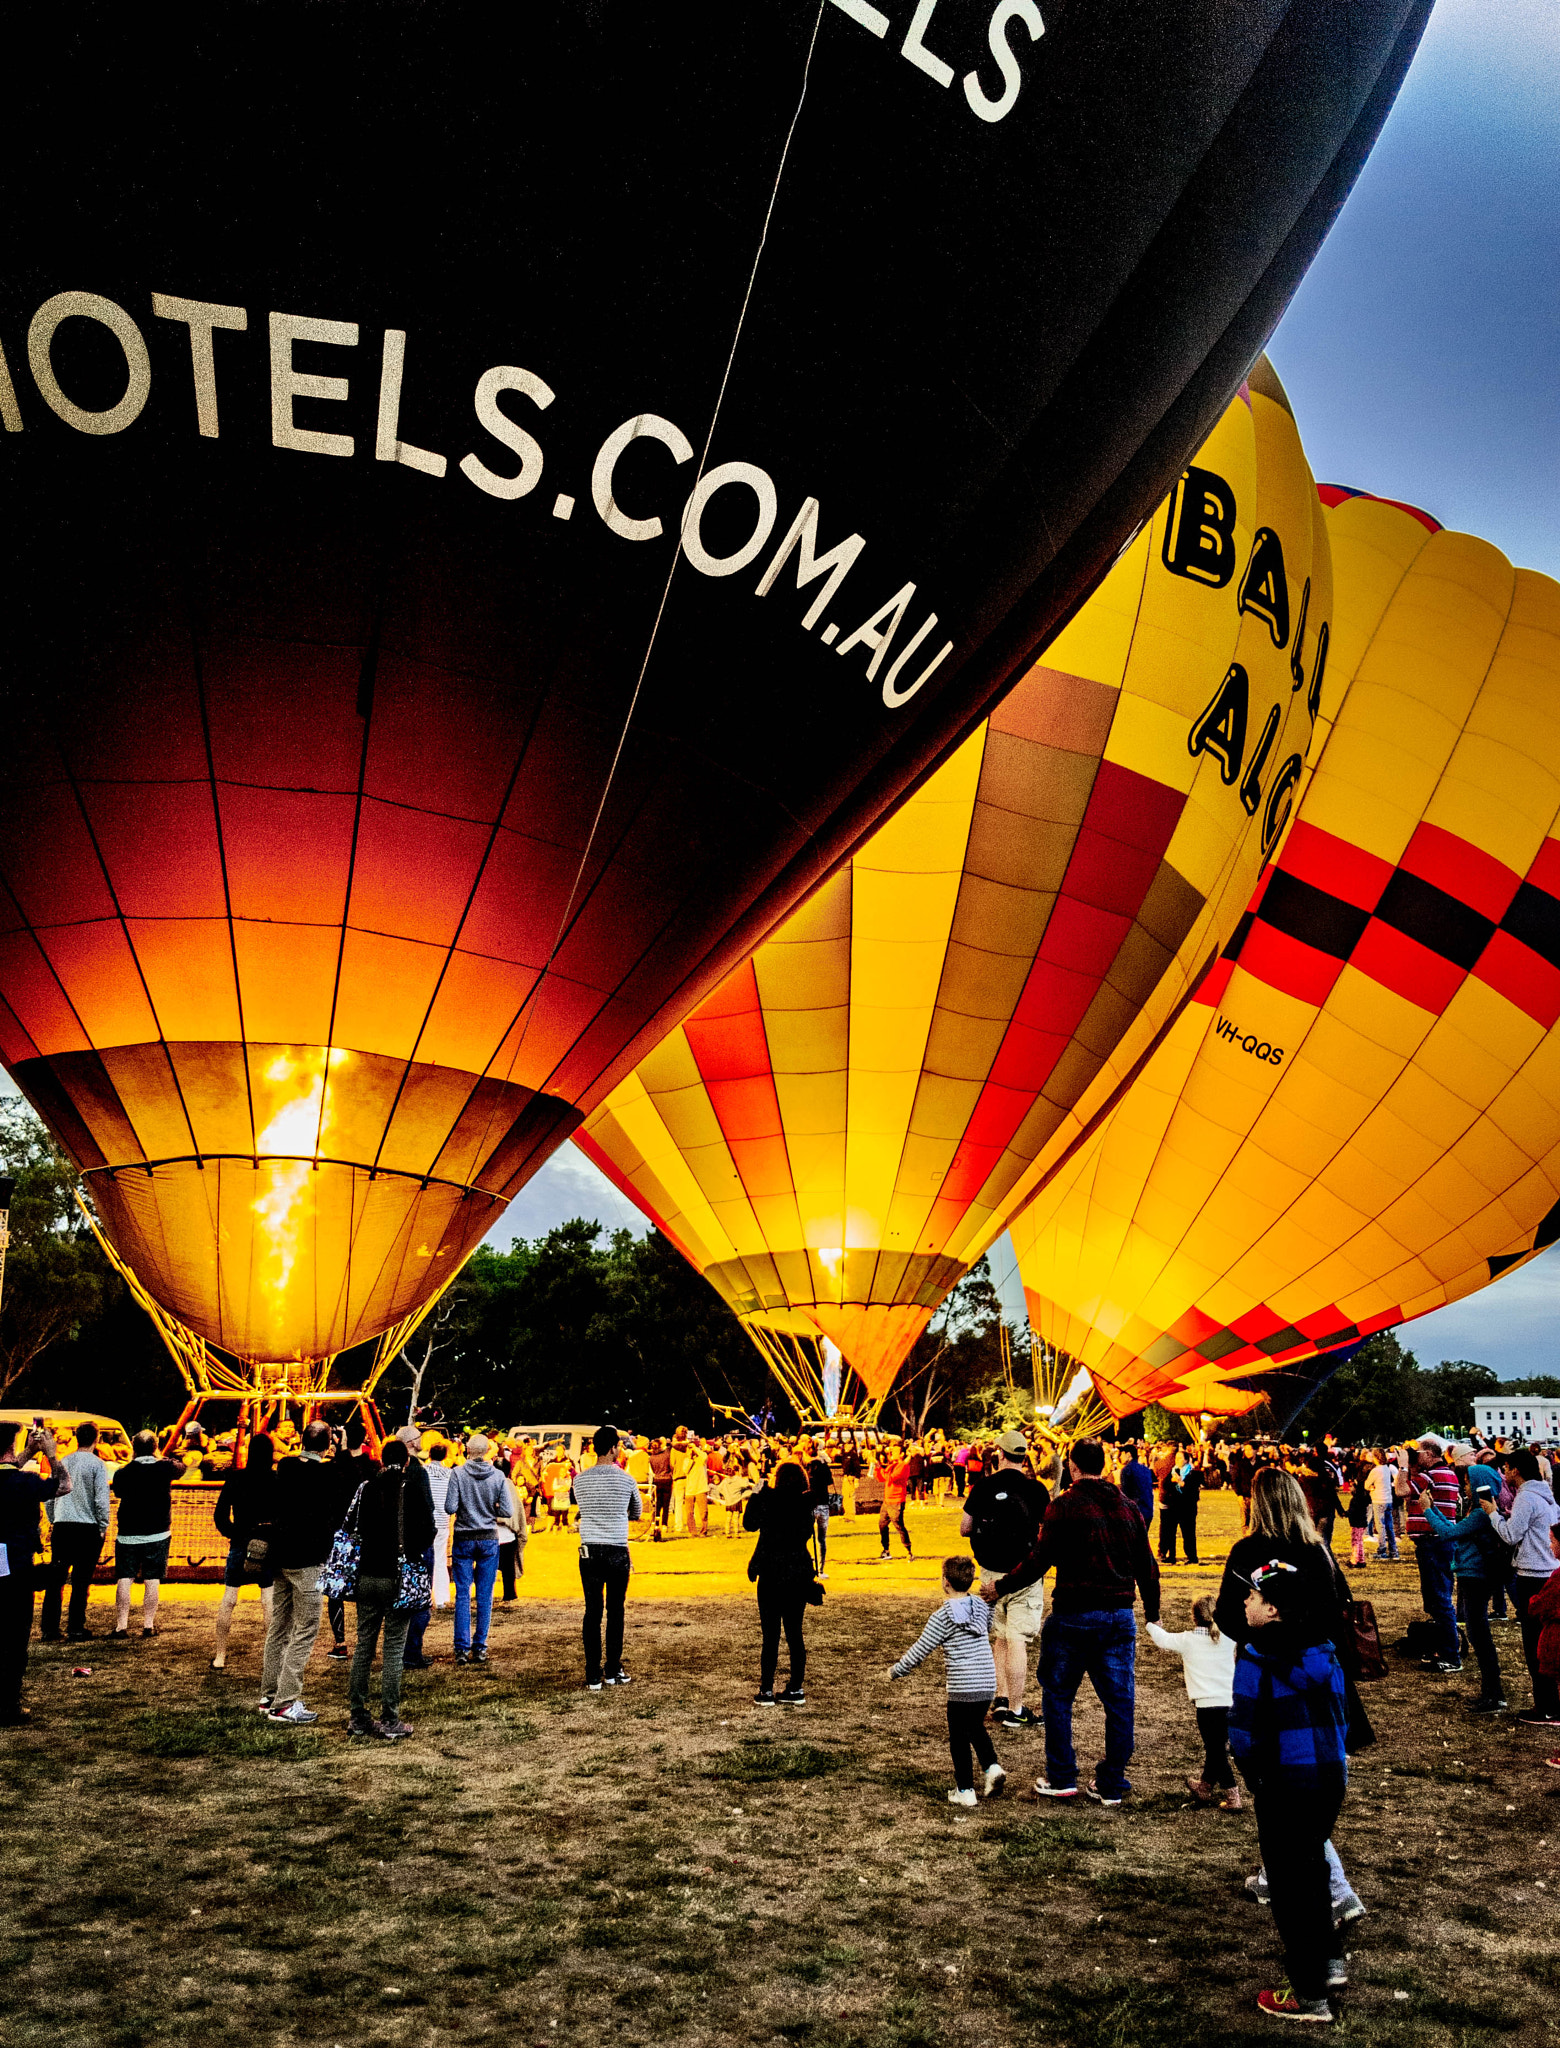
x=568 y=1328
x=956 y=1365
x=1374 y=1397
x=56 y=1278
x=1161 y=1427
x=1544 y=1384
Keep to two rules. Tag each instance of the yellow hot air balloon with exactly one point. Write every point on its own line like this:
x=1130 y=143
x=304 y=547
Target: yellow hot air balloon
x=846 y=1123
x=1359 y=1117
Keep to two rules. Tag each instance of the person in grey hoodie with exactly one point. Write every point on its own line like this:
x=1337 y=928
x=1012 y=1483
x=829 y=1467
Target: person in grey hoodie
x=478 y=1496
x=78 y=1523
x=1525 y=1531
x=608 y=1500
x=961 y=1628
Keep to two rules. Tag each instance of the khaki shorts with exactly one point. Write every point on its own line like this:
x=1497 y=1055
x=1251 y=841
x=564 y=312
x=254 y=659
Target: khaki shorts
x=1016 y=1618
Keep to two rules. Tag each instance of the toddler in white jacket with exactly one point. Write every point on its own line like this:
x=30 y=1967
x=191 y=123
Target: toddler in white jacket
x=1208 y=1664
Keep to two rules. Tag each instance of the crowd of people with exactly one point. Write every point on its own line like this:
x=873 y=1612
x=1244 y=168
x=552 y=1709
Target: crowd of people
x=1270 y=1662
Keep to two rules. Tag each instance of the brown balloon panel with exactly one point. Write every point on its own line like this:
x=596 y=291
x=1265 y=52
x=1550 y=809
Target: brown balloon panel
x=287 y=1201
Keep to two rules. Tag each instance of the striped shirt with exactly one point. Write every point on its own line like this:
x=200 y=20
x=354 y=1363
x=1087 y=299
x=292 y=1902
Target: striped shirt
x=1442 y=1481
x=608 y=1501
x=962 y=1628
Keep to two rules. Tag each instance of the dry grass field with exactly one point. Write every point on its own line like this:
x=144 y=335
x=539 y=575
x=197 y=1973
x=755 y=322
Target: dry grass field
x=668 y=1864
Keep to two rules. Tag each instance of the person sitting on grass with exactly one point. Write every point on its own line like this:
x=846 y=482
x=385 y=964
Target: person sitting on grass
x=961 y=1628
x=1288 y=1721
x=1208 y=1666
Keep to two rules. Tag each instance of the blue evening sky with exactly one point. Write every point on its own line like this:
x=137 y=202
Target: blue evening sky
x=1422 y=354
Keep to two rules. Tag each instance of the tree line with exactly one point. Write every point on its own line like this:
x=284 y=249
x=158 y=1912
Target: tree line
x=586 y=1325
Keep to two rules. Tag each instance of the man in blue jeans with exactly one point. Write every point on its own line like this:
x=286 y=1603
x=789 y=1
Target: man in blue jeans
x=478 y=1496
x=1098 y=1545
x=1434 y=1480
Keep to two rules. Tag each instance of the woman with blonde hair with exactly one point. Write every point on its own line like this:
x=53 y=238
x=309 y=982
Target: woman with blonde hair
x=1282 y=1531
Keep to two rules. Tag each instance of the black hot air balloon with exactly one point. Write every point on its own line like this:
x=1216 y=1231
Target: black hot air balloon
x=498 y=502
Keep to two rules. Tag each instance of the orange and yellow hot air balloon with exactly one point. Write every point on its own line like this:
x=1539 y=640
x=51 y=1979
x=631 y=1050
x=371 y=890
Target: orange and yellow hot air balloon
x=837 y=1133
x=1358 y=1119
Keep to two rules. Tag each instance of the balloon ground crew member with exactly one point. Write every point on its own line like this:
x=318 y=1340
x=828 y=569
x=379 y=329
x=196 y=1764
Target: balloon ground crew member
x=1287 y=1728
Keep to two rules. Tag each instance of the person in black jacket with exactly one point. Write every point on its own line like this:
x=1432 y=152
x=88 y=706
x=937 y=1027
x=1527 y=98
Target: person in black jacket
x=306 y=1511
x=243 y=1515
x=394 y=1523
x=783 y=1568
x=144 y=1490
x=1282 y=1531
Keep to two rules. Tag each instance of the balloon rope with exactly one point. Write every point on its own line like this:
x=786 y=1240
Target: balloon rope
x=666 y=589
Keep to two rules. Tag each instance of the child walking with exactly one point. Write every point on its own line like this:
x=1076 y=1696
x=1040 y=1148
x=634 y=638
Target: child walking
x=961 y=1627
x=1208 y=1666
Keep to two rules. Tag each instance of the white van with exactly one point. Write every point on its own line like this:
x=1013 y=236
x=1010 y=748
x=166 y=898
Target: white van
x=574 y=1436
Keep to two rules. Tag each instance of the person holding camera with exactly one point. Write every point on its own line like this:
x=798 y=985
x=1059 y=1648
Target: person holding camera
x=22 y=1494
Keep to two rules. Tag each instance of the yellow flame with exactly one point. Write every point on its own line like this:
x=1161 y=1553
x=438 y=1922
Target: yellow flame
x=292 y=1138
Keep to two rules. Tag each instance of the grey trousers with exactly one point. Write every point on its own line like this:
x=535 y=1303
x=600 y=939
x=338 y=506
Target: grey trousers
x=295 y=1622
x=375 y=1609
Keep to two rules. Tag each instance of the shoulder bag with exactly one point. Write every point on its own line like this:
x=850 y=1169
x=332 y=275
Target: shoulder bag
x=339 y=1578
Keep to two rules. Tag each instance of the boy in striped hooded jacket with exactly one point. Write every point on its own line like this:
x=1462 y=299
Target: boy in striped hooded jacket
x=1287 y=1728
x=961 y=1628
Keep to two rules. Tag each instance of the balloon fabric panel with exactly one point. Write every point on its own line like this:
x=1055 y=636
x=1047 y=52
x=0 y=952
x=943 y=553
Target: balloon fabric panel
x=838 y=1130
x=1361 y=1120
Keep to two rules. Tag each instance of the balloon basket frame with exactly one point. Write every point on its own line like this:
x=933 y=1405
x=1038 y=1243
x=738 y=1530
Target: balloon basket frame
x=797 y=1362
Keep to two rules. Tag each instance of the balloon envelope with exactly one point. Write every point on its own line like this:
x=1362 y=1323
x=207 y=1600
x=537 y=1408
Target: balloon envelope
x=1359 y=1117
x=842 y=1127
x=499 y=503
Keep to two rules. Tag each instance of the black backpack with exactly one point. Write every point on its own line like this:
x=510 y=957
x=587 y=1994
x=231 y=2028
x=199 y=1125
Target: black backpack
x=1006 y=1530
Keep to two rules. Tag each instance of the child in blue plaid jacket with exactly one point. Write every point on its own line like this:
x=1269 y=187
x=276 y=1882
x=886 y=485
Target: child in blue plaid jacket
x=1287 y=1728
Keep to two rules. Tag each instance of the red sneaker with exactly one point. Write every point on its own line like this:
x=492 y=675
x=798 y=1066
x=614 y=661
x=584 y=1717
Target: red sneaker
x=1282 y=2004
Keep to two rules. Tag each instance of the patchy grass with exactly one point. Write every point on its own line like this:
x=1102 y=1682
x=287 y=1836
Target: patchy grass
x=671 y=1866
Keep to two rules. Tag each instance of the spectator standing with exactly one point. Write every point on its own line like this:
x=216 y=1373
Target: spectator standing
x=1380 y=1484
x=1096 y=1542
x=1191 y=1483
x=144 y=1490
x=1003 y=1510
x=661 y=1479
x=22 y=1494
x=1169 y=1506
x=306 y=1511
x=820 y=1484
x=682 y=1458
x=1434 y=1480
x=782 y=1567
x=1281 y=1528
x=637 y=1465
x=438 y=1473
x=697 y=1488
x=78 y=1522
x=1359 y=1519
x=395 y=1526
x=1137 y=1483
x=608 y=1499
x=413 y=1657
x=1287 y=1727
x=1477 y=1558
x=243 y=1516
x=961 y=1629
x=477 y=1496
x=1526 y=1532
x=897 y=1472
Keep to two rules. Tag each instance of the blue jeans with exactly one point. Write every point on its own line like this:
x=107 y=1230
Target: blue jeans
x=1435 y=1590
x=1386 y=1532
x=421 y=1616
x=476 y=1564
x=1098 y=1645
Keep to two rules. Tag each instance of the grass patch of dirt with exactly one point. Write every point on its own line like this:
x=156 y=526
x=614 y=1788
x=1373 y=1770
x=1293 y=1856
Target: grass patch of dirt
x=669 y=1867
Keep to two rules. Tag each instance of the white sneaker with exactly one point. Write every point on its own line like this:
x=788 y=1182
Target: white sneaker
x=958 y=1798
x=994 y=1780
x=297 y=1715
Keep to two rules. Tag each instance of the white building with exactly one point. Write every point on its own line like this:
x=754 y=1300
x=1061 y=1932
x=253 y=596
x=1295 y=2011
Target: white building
x=1535 y=1417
